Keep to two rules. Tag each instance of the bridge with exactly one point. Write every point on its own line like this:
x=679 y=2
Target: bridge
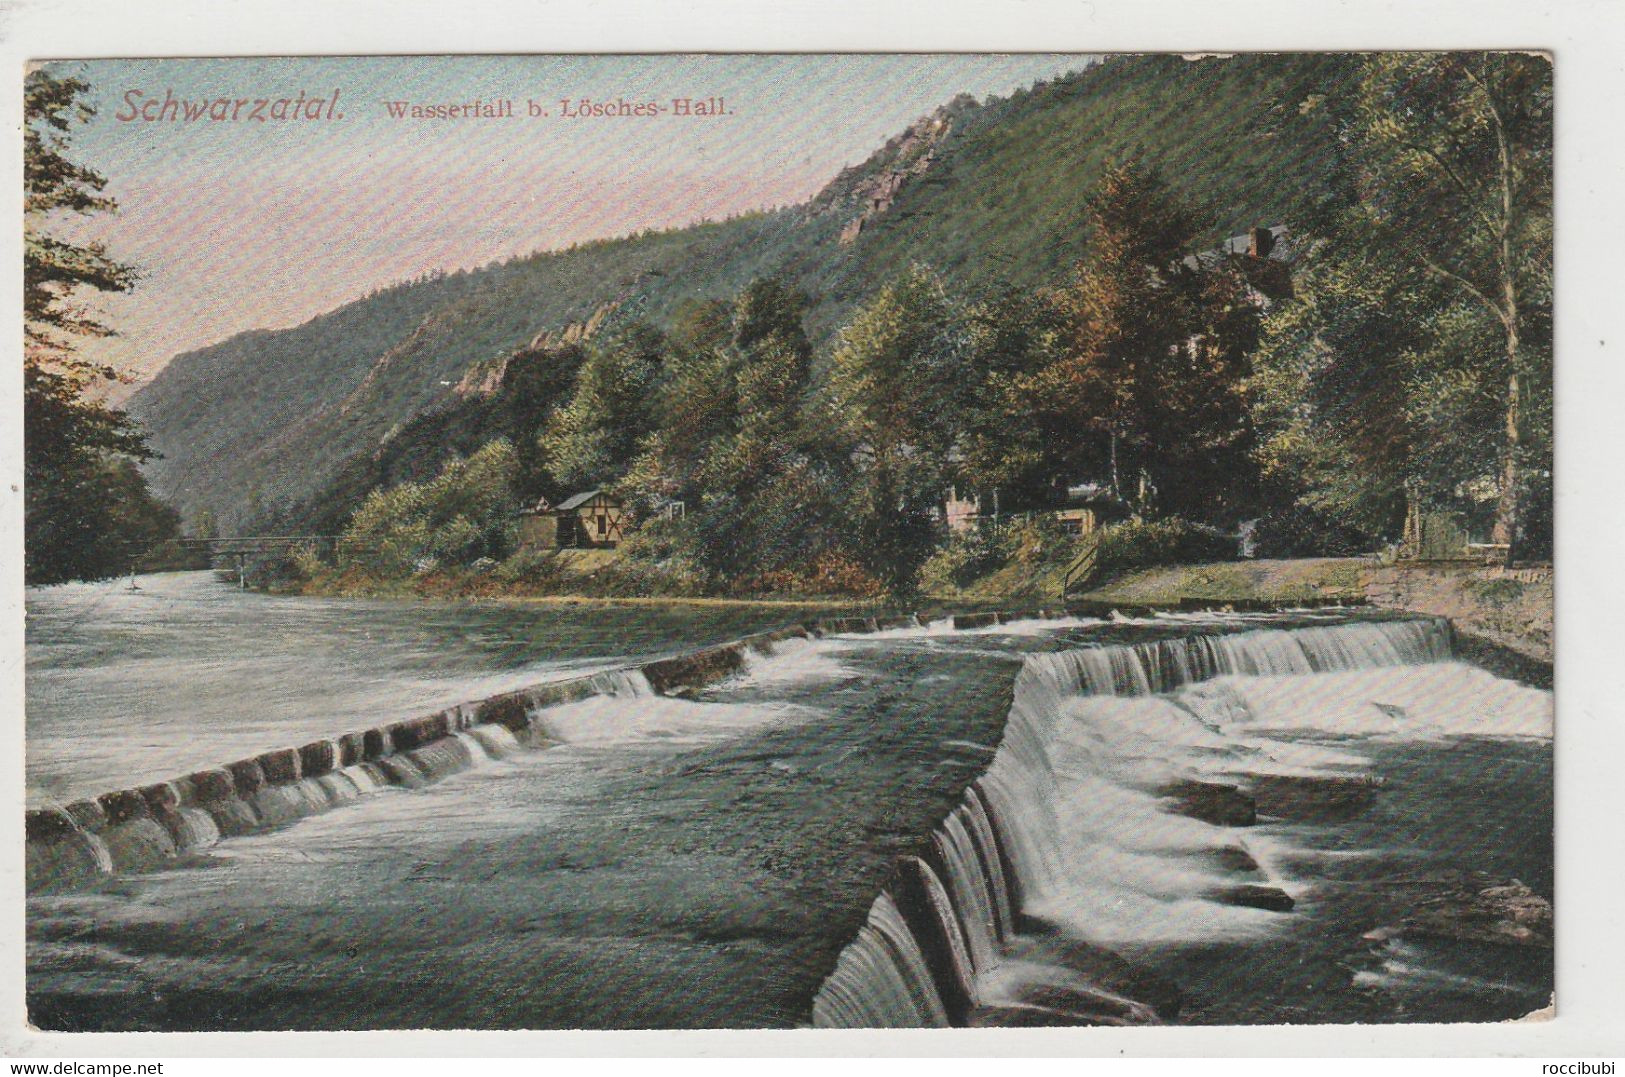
x=242 y=547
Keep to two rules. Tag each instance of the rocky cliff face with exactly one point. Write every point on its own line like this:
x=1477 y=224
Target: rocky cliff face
x=485 y=378
x=866 y=192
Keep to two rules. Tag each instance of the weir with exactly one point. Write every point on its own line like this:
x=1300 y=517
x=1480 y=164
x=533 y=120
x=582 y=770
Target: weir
x=140 y=829
x=1066 y=846
x=902 y=826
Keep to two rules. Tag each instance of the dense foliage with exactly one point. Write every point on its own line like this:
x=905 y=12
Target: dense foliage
x=463 y=514
x=1043 y=310
x=1130 y=371
x=88 y=513
x=274 y=427
x=1416 y=362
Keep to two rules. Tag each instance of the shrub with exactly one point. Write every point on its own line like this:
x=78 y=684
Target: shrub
x=530 y=565
x=1032 y=543
x=965 y=557
x=1035 y=541
x=461 y=515
x=830 y=573
x=1494 y=592
x=1302 y=532
x=666 y=548
x=1142 y=543
x=306 y=563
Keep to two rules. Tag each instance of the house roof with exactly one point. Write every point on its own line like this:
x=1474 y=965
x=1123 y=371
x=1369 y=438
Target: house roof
x=1086 y=492
x=1281 y=250
x=577 y=500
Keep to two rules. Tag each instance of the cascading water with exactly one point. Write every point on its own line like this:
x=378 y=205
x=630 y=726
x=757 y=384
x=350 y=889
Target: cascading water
x=882 y=979
x=1066 y=845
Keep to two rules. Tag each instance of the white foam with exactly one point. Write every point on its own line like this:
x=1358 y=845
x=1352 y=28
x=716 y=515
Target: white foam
x=1410 y=703
x=1075 y=783
x=599 y=720
x=796 y=661
x=1031 y=626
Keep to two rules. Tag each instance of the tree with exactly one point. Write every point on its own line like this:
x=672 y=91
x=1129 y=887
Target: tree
x=593 y=439
x=769 y=471
x=1414 y=362
x=54 y=269
x=1154 y=345
x=897 y=372
x=85 y=505
x=1332 y=390
x=1457 y=175
x=770 y=379
x=731 y=443
x=1014 y=436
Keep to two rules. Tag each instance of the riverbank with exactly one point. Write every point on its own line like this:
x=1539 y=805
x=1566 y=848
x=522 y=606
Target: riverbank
x=1494 y=608
x=1512 y=608
x=587 y=575
x=1503 y=616
x=1282 y=582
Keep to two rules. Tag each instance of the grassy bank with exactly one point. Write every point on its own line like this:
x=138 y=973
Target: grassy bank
x=606 y=576
x=564 y=577
x=1320 y=578
x=1285 y=581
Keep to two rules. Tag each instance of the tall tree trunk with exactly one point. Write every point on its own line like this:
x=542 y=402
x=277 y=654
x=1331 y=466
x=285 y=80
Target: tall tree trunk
x=1117 y=489
x=1508 y=511
x=1508 y=521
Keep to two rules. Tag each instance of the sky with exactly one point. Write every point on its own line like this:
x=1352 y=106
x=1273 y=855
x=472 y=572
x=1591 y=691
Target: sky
x=242 y=224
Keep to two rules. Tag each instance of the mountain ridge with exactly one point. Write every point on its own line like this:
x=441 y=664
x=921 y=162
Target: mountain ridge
x=992 y=195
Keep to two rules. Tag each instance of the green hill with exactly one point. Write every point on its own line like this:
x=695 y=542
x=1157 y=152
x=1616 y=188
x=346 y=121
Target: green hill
x=990 y=194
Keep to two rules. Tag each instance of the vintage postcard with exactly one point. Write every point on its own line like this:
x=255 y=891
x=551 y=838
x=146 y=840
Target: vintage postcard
x=766 y=541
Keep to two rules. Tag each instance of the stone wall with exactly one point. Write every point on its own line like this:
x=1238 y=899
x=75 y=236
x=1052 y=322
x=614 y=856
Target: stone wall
x=1491 y=607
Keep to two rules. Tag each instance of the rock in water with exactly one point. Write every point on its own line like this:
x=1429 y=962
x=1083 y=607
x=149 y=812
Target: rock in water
x=1233 y=858
x=1474 y=907
x=1247 y=895
x=1211 y=802
x=1318 y=798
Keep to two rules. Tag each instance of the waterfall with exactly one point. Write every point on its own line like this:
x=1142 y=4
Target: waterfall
x=622 y=682
x=978 y=891
x=881 y=980
x=496 y=741
x=1163 y=665
x=1005 y=859
x=944 y=935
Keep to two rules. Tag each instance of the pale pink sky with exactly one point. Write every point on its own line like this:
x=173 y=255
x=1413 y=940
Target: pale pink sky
x=244 y=225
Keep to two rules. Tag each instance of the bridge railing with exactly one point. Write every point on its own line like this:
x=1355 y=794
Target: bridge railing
x=247 y=544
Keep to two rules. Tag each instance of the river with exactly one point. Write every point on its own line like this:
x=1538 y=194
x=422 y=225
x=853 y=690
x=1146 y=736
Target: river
x=126 y=686
x=909 y=827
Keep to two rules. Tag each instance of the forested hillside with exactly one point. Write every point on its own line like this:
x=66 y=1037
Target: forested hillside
x=289 y=429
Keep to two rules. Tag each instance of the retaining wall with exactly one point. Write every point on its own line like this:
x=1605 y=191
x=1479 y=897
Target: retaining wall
x=1506 y=614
